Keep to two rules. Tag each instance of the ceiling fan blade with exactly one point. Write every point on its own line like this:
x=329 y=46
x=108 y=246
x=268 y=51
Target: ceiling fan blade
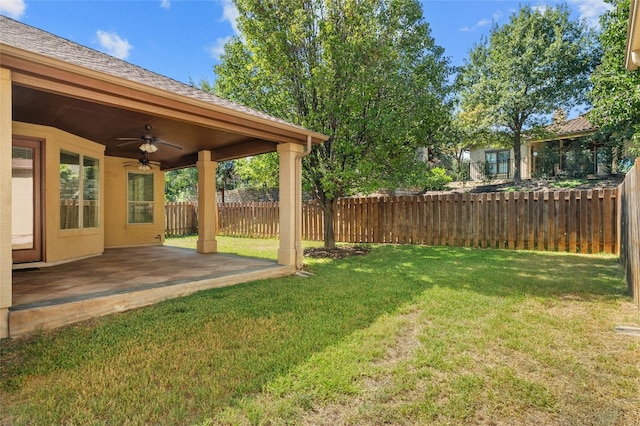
x=130 y=141
x=161 y=142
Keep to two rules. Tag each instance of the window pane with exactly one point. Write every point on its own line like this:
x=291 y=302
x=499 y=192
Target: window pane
x=69 y=190
x=140 y=187
x=140 y=212
x=503 y=156
x=491 y=160
x=140 y=194
x=22 y=232
x=91 y=192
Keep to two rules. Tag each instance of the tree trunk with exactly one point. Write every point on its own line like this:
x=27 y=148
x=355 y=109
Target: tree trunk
x=517 y=158
x=329 y=210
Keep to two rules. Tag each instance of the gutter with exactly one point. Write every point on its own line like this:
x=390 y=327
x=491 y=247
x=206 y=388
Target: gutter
x=298 y=213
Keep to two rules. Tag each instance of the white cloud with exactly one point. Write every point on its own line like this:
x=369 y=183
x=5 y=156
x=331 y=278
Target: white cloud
x=465 y=29
x=542 y=8
x=483 y=22
x=165 y=4
x=13 y=8
x=591 y=10
x=217 y=48
x=113 y=44
x=230 y=14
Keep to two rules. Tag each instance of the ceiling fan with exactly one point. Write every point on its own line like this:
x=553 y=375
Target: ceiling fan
x=149 y=142
x=143 y=163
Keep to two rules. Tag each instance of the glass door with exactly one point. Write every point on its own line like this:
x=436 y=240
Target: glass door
x=26 y=229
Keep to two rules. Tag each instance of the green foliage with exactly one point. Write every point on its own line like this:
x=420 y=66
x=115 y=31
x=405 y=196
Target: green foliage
x=181 y=185
x=436 y=179
x=260 y=171
x=578 y=162
x=366 y=73
x=547 y=160
x=539 y=61
x=616 y=90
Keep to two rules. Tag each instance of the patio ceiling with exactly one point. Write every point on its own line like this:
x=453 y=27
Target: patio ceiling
x=62 y=84
x=104 y=124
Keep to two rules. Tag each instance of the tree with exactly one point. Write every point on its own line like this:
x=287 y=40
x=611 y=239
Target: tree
x=181 y=185
x=224 y=174
x=538 y=62
x=367 y=73
x=616 y=90
x=260 y=171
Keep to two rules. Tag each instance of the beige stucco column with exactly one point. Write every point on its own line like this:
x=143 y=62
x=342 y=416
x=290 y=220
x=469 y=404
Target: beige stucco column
x=207 y=203
x=5 y=201
x=290 y=204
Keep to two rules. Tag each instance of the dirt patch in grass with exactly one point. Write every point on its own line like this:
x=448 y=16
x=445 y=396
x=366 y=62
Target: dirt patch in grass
x=336 y=253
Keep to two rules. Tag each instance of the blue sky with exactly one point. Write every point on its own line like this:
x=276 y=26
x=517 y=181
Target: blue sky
x=182 y=39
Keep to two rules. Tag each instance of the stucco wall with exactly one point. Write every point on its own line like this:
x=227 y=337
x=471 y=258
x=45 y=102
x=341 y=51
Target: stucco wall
x=118 y=233
x=61 y=245
x=477 y=156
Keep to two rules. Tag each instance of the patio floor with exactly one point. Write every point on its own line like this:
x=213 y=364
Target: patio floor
x=122 y=279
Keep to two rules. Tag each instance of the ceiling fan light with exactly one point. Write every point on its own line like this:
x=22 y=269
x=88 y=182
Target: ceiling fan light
x=144 y=167
x=148 y=147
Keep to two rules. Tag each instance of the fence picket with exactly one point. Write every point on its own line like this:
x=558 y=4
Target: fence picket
x=575 y=221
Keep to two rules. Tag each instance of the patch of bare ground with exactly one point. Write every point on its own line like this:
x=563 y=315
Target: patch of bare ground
x=377 y=388
x=337 y=253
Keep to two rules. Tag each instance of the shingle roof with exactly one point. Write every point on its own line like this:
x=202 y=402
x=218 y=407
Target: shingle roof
x=577 y=125
x=35 y=40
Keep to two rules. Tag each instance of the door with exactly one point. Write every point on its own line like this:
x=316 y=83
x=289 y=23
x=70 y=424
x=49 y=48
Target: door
x=26 y=200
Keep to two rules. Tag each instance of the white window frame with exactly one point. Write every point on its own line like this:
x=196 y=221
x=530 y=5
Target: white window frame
x=151 y=202
x=81 y=184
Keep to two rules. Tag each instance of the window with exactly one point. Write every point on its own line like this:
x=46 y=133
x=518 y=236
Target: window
x=140 y=197
x=79 y=191
x=497 y=163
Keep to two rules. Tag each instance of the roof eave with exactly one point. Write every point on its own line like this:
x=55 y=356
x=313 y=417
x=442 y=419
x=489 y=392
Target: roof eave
x=633 y=37
x=8 y=51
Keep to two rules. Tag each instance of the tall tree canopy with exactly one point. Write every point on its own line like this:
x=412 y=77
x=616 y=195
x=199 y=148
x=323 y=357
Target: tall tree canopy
x=538 y=62
x=616 y=90
x=366 y=73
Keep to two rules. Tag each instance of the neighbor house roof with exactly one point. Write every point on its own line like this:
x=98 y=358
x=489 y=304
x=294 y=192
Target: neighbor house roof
x=17 y=34
x=575 y=127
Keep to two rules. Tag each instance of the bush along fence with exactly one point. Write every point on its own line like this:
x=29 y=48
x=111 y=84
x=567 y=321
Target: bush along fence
x=629 y=229
x=573 y=221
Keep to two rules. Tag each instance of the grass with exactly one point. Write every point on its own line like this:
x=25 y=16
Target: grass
x=404 y=335
x=569 y=183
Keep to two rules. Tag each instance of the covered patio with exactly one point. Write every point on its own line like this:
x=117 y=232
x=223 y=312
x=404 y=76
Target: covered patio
x=122 y=279
x=85 y=140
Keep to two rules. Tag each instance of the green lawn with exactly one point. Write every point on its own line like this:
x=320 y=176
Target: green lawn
x=403 y=335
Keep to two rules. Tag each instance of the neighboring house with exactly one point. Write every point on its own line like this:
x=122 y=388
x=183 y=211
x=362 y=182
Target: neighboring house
x=498 y=163
x=632 y=53
x=70 y=186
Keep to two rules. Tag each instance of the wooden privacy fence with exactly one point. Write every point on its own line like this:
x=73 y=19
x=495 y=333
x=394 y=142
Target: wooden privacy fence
x=258 y=220
x=180 y=218
x=629 y=229
x=573 y=221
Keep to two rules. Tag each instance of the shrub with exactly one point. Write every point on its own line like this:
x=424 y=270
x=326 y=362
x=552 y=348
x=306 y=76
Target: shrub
x=436 y=179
